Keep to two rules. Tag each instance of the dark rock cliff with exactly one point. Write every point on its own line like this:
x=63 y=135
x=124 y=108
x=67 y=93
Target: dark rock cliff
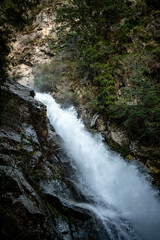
x=36 y=196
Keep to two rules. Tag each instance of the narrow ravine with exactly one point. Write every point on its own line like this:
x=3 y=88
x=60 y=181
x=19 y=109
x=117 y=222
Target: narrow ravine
x=121 y=196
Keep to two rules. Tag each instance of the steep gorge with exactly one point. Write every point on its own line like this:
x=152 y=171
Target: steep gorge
x=34 y=62
x=37 y=192
x=37 y=196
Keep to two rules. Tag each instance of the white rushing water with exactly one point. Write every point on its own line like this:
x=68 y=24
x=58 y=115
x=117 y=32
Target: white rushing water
x=120 y=194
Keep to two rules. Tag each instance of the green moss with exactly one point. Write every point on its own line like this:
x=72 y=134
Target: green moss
x=154 y=168
x=123 y=150
x=48 y=205
x=43 y=113
x=53 y=172
x=130 y=157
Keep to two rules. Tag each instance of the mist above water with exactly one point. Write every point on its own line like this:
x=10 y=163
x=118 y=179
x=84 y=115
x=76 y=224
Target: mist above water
x=121 y=196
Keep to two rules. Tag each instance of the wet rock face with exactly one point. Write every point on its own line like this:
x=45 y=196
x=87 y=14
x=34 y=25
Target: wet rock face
x=36 y=196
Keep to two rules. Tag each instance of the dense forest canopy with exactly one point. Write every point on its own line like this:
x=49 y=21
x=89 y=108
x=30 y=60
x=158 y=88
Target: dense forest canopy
x=118 y=41
x=115 y=45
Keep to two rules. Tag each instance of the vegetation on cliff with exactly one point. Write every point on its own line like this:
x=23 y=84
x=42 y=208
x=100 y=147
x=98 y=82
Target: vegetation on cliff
x=115 y=45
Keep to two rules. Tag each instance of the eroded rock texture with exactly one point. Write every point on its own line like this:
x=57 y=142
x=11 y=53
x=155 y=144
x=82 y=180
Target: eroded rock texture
x=32 y=47
x=36 y=195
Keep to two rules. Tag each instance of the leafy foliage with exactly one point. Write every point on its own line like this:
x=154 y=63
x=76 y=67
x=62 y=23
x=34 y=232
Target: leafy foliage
x=141 y=115
x=84 y=26
x=118 y=55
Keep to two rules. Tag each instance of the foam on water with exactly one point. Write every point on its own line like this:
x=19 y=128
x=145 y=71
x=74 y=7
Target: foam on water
x=117 y=188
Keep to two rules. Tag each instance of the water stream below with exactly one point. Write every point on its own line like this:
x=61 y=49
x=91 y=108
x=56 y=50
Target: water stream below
x=120 y=195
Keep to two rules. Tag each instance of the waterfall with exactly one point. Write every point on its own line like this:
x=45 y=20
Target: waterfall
x=120 y=195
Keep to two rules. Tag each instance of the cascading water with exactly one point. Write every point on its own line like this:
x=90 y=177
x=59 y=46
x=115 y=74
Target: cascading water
x=121 y=197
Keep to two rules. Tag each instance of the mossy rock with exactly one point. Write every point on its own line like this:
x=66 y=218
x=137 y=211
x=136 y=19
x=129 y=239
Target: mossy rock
x=154 y=168
x=129 y=157
x=123 y=150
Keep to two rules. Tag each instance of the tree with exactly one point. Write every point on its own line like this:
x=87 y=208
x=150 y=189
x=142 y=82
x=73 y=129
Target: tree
x=85 y=25
x=89 y=18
